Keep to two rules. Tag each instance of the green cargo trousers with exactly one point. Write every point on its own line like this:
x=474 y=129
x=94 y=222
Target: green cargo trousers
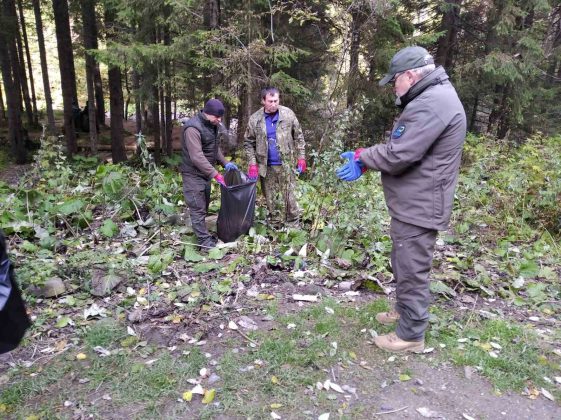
x=196 y=191
x=278 y=187
x=411 y=257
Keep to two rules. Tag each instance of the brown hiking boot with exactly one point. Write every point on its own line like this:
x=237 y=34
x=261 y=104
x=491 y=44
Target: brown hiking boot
x=391 y=342
x=387 y=318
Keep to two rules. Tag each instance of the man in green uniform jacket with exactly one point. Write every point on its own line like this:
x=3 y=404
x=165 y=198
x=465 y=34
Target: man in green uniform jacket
x=274 y=142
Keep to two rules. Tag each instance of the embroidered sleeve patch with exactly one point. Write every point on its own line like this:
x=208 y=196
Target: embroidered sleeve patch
x=398 y=132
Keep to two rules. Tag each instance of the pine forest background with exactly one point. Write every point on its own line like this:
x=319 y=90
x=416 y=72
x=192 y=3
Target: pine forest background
x=156 y=61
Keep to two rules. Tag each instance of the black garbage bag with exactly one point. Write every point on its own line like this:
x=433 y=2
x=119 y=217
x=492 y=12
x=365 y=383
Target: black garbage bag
x=237 y=206
x=13 y=316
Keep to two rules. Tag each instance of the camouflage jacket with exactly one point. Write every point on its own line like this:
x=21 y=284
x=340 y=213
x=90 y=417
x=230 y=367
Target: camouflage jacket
x=290 y=139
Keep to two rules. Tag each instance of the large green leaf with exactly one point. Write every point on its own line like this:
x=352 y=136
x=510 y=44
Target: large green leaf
x=113 y=183
x=109 y=228
x=529 y=268
x=159 y=262
x=441 y=288
x=206 y=267
x=71 y=206
x=217 y=253
x=191 y=255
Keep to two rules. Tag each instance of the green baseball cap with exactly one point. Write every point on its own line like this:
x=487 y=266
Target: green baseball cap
x=406 y=59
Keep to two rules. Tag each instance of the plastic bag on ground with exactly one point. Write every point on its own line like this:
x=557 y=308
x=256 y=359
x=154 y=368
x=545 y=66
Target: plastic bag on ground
x=237 y=206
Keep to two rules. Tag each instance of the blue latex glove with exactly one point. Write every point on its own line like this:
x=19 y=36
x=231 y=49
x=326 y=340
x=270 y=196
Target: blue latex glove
x=352 y=170
x=230 y=166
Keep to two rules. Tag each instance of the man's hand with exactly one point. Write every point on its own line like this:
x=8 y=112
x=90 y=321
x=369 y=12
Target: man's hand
x=353 y=169
x=301 y=166
x=220 y=179
x=253 y=172
x=230 y=166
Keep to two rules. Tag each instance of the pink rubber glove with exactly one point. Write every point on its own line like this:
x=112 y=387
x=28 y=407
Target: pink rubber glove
x=220 y=179
x=301 y=166
x=357 y=157
x=253 y=172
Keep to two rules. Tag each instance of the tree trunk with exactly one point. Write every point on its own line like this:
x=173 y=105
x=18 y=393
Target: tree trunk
x=118 y=151
x=10 y=76
x=98 y=85
x=2 y=108
x=243 y=114
x=128 y=100
x=29 y=68
x=357 y=21
x=99 y=98
x=92 y=44
x=156 y=123
x=137 y=108
x=67 y=74
x=44 y=66
x=163 y=119
x=169 y=122
x=88 y=21
x=473 y=117
x=211 y=18
x=449 y=25
x=505 y=117
x=211 y=21
x=116 y=102
x=23 y=73
x=166 y=88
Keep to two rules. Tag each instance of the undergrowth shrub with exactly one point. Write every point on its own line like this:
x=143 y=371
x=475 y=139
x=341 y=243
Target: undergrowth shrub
x=518 y=185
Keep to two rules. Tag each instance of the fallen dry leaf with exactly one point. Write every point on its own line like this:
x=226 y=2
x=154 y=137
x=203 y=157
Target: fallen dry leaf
x=547 y=394
x=336 y=388
x=428 y=413
x=198 y=390
x=209 y=396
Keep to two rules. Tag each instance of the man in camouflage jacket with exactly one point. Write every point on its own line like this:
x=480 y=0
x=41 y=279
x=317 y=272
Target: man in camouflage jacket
x=274 y=142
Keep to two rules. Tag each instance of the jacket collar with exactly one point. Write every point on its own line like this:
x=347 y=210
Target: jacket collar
x=437 y=76
x=205 y=121
x=282 y=112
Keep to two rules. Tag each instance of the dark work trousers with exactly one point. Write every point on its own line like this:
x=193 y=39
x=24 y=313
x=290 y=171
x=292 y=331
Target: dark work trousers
x=412 y=253
x=196 y=191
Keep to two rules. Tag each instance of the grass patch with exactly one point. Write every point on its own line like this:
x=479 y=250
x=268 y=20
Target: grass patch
x=20 y=396
x=512 y=356
x=124 y=376
x=104 y=333
x=284 y=368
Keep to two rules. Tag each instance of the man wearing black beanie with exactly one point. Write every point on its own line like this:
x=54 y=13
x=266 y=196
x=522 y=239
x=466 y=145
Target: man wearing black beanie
x=201 y=151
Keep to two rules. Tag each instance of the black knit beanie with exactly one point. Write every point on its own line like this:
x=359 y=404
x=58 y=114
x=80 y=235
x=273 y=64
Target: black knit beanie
x=214 y=107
